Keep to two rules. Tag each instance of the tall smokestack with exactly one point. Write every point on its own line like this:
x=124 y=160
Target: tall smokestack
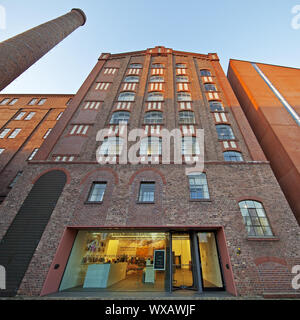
x=17 y=54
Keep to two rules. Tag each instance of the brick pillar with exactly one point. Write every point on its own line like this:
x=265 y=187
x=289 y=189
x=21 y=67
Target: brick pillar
x=17 y=54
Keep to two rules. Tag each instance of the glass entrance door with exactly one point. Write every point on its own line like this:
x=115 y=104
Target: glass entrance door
x=182 y=267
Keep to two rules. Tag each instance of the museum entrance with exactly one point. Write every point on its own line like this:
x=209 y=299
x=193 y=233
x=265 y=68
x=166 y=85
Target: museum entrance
x=120 y=260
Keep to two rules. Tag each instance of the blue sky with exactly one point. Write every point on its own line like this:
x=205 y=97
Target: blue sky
x=256 y=30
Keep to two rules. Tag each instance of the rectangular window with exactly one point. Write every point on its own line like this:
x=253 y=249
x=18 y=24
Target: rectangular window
x=30 y=116
x=91 y=105
x=102 y=86
x=14 y=133
x=41 y=102
x=4 y=101
x=110 y=70
x=59 y=115
x=15 y=179
x=147 y=190
x=33 y=153
x=20 y=116
x=79 y=129
x=4 y=133
x=198 y=187
x=13 y=101
x=47 y=133
x=97 y=192
x=33 y=101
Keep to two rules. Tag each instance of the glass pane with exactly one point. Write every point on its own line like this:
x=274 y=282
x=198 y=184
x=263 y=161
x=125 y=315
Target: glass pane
x=182 y=260
x=117 y=261
x=211 y=272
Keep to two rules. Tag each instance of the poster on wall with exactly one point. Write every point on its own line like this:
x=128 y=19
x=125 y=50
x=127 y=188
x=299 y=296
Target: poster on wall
x=159 y=261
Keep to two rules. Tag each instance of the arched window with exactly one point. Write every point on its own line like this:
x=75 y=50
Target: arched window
x=205 y=73
x=216 y=106
x=190 y=146
x=198 y=187
x=158 y=65
x=210 y=87
x=153 y=117
x=156 y=79
x=224 y=132
x=135 y=66
x=111 y=146
x=182 y=79
x=132 y=79
x=126 y=96
x=150 y=146
x=155 y=96
x=184 y=96
x=180 y=65
x=120 y=117
x=255 y=218
x=232 y=156
x=187 y=117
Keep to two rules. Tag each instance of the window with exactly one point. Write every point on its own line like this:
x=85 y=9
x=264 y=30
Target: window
x=4 y=101
x=126 y=96
x=2 y=150
x=102 y=86
x=111 y=146
x=20 y=116
x=14 y=133
x=156 y=79
x=4 y=133
x=91 y=105
x=64 y=158
x=69 y=101
x=132 y=79
x=47 y=133
x=29 y=116
x=184 y=96
x=33 y=101
x=97 y=192
x=210 y=87
x=147 y=190
x=155 y=96
x=13 y=101
x=59 y=115
x=216 y=106
x=158 y=65
x=135 y=65
x=205 y=73
x=33 y=154
x=153 y=117
x=224 y=132
x=120 y=117
x=182 y=79
x=180 y=65
x=79 y=129
x=15 y=179
x=150 y=146
x=232 y=156
x=190 y=146
x=187 y=117
x=198 y=187
x=41 y=102
x=255 y=218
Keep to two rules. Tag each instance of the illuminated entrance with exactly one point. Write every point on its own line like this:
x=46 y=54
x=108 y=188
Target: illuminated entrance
x=142 y=261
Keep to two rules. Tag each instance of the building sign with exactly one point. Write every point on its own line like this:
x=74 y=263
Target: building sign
x=159 y=260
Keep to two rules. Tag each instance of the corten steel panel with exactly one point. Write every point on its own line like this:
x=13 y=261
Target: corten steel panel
x=21 y=239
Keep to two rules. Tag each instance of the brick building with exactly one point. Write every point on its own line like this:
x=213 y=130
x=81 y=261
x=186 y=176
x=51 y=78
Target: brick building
x=149 y=226
x=25 y=123
x=269 y=96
